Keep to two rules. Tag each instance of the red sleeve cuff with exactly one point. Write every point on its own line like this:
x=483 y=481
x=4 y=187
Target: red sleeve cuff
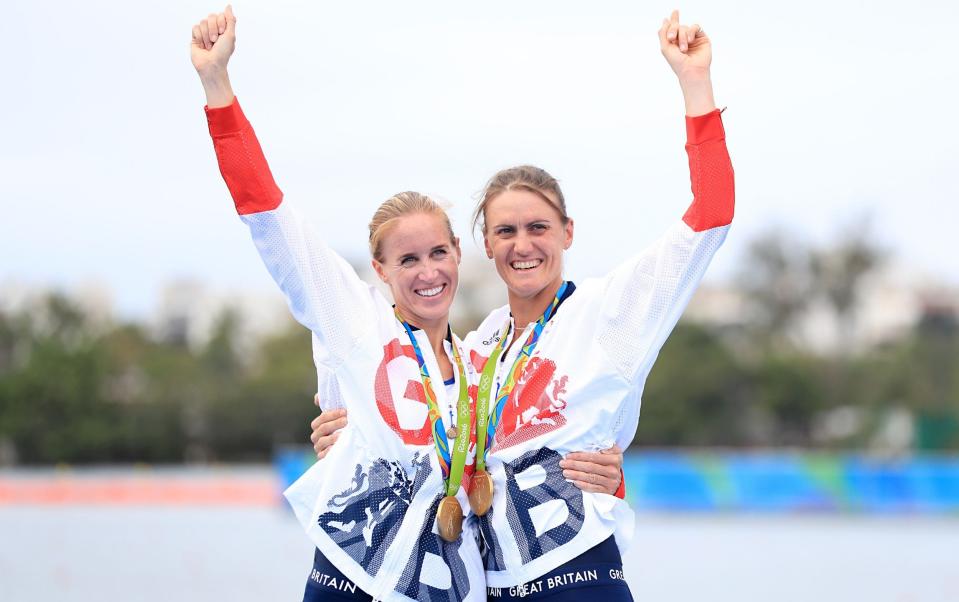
x=226 y=120
x=241 y=160
x=705 y=128
x=621 y=492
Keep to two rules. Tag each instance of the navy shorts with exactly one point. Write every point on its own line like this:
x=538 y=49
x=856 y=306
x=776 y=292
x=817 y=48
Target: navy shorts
x=326 y=582
x=597 y=572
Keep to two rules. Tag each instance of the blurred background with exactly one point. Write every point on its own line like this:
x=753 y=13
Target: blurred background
x=800 y=431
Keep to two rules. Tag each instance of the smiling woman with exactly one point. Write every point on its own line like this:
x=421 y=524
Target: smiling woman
x=385 y=509
x=416 y=254
x=563 y=366
x=526 y=232
x=568 y=363
x=372 y=357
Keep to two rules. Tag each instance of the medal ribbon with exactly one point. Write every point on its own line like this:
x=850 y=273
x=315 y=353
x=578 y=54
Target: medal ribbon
x=485 y=433
x=452 y=466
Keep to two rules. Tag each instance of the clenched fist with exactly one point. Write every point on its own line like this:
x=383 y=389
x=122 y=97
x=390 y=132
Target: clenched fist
x=214 y=39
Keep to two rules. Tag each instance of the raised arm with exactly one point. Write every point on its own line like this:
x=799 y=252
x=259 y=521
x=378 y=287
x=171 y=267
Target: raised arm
x=689 y=53
x=643 y=298
x=322 y=290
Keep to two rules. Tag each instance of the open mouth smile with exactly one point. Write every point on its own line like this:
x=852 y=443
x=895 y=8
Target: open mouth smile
x=526 y=265
x=430 y=292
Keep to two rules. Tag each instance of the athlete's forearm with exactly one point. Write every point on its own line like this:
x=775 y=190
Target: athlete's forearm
x=697 y=90
x=216 y=85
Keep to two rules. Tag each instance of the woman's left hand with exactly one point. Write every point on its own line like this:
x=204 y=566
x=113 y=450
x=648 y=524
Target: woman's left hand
x=599 y=472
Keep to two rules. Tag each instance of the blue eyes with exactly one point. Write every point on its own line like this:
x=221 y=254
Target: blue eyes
x=507 y=230
x=411 y=260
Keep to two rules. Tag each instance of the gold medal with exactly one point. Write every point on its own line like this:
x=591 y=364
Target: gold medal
x=449 y=518
x=481 y=492
x=452 y=452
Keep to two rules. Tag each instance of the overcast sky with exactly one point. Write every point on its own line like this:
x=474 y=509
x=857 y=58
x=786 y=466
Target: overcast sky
x=835 y=110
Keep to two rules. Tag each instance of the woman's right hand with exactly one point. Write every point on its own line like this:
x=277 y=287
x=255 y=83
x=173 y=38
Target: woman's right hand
x=214 y=40
x=211 y=47
x=326 y=429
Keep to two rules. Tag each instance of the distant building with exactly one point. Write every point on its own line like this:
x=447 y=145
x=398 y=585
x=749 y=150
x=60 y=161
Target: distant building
x=93 y=298
x=890 y=304
x=188 y=312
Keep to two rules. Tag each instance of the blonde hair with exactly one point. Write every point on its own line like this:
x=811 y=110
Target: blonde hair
x=397 y=206
x=522 y=177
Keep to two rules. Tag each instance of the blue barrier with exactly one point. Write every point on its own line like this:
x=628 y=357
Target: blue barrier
x=697 y=481
x=784 y=482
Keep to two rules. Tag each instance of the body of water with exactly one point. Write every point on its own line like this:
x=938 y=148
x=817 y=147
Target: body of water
x=191 y=547
x=186 y=554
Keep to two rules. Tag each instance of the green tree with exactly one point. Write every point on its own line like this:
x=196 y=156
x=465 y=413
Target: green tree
x=695 y=394
x=273 y=405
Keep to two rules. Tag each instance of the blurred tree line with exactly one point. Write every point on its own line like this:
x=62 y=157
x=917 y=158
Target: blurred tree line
x=73 y=389
x=755 y=383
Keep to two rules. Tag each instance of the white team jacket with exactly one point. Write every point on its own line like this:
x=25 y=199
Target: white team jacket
x=370 y=505
x=581 y=388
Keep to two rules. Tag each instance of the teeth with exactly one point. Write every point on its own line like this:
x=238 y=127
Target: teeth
x=525 y=265
x=430 y=292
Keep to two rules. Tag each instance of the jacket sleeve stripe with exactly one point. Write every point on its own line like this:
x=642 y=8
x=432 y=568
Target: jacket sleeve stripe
x=241 y=160
x=710 y=173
